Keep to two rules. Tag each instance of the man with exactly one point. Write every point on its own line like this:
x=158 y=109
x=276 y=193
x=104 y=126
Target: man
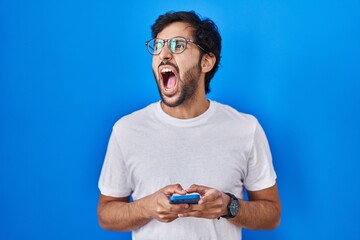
x=187 y=144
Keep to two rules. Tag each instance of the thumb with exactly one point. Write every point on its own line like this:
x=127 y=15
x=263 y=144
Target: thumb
x=176 y=188
x=198 y=189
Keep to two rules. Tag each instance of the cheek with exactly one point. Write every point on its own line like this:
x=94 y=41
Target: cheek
x=154 y=67
x=153 y=62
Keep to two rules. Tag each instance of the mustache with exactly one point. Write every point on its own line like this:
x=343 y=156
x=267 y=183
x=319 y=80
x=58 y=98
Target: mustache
x=169 y=64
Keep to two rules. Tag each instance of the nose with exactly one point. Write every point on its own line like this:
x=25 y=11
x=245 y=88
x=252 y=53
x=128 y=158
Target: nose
x=165 y=53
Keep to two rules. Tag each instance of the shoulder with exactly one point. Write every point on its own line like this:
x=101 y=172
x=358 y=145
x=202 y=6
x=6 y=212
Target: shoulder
x=234 y=121
x=135 y=118
x=227 y=114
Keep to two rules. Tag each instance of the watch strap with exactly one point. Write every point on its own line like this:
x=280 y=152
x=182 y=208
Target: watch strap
x=232 y=199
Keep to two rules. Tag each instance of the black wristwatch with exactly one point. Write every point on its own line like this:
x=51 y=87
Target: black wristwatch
x=233 y=207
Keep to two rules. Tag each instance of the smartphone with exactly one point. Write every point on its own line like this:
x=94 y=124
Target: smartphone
x=192 y=198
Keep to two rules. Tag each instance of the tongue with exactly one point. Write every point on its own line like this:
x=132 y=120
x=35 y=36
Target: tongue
x=171 y=82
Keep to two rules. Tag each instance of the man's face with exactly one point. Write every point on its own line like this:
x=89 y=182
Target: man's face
x=178 y=75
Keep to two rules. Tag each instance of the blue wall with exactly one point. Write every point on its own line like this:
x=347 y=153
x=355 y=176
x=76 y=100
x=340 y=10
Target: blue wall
x=70 y=69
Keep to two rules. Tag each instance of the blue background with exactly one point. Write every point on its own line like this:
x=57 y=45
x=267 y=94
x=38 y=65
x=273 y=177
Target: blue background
x=70 y=69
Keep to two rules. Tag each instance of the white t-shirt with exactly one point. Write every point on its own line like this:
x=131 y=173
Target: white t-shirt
x=221 y=149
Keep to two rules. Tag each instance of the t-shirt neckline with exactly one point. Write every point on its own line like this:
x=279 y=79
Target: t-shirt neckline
x=202 y=118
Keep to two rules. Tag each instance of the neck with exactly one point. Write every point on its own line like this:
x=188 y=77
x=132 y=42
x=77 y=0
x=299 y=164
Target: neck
x=188 y=109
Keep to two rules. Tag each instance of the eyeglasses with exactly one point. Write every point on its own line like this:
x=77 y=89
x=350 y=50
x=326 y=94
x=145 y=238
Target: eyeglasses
x=176 y=45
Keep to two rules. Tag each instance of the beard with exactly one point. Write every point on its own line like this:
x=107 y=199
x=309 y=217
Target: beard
x=188 y=85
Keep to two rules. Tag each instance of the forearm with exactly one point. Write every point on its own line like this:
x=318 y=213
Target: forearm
x=259 y=214
x=122 y=216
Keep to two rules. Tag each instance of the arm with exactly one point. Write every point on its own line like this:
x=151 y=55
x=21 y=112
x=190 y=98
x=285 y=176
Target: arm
x=119 y=214
x=262 y=211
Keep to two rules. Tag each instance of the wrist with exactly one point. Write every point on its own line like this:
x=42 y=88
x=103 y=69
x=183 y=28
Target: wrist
x=233 y=206
x=142 y=209
x=226 y=202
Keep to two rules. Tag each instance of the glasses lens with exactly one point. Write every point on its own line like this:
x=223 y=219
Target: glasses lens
x=177 y=45
x=155 y=46
x=158 y=45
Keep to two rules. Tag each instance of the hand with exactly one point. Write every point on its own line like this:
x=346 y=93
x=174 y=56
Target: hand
x=212 y=204
x=158 y=206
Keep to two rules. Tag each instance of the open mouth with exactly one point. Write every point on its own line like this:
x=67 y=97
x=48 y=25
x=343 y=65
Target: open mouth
x=168 y=78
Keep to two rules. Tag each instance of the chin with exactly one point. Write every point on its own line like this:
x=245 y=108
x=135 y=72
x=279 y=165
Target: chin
x=170 y=103
x=173 y=101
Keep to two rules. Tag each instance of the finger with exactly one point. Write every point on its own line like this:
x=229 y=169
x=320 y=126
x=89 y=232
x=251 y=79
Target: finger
x=200 y=214
x=211 y=195
x=167 y=210
x=197 y=214
x=176 y=188
x=179 y=191
x=167 y=218
x=179 y=208
x=196 y=207
x=188 y=214
x=197 y=188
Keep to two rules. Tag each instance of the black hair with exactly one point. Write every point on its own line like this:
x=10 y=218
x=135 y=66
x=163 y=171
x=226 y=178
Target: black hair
x=206 y=34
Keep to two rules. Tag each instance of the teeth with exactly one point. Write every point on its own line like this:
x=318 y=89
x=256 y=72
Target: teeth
x=166 y=70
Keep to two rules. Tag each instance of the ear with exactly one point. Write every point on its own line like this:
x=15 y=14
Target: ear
x=208 y=61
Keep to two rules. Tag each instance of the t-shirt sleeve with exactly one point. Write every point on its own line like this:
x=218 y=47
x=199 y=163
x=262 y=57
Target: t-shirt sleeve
x=260 y=170
x=113 y=179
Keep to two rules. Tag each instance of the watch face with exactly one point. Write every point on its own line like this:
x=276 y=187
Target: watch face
x=234 y=207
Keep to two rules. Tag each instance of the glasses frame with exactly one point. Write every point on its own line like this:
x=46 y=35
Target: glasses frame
x=166 y=41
